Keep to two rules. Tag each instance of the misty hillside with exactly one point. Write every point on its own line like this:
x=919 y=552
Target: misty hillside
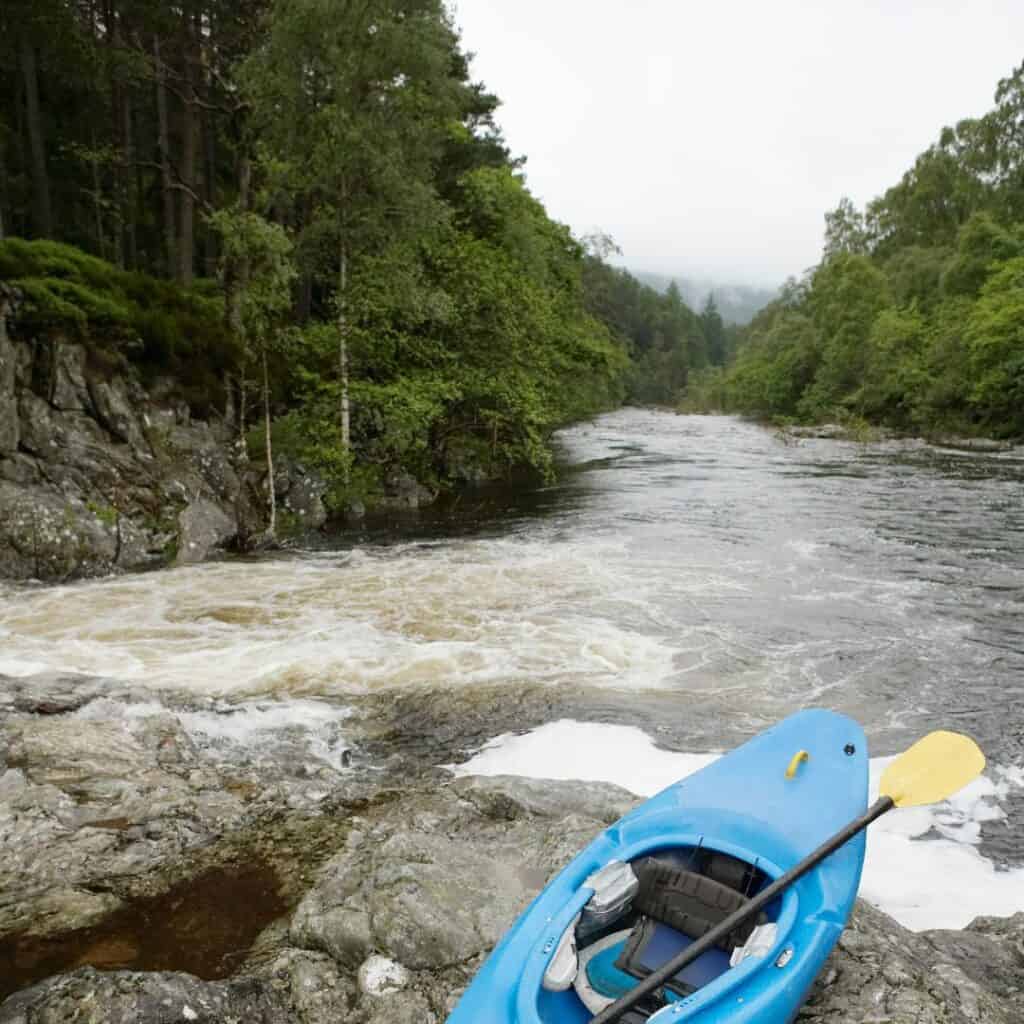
x=737 y=303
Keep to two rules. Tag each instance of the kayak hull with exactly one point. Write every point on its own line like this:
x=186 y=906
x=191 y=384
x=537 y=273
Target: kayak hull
x=759 y=803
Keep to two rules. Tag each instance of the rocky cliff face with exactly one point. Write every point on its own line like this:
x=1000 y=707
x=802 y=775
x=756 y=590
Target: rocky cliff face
x=279 y=881
x=97 y=474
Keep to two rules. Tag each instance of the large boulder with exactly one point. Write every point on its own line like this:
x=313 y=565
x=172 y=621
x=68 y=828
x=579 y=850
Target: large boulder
x=203 y=528
x=46 y=536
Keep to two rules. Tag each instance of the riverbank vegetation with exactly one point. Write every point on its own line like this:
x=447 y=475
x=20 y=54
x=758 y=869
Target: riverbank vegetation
x=915 y=316
x=308 y=208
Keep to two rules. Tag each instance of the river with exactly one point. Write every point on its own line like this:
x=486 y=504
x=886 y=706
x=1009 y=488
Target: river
x=685 y=582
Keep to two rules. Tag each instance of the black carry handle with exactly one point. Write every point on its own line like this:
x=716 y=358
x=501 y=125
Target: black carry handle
x=759 y=902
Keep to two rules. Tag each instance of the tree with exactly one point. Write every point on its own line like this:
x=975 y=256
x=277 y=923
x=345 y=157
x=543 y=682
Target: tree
x=352 y=101
x=995 y=338
x=264 y=299
x=845 y=231
x=714 y=331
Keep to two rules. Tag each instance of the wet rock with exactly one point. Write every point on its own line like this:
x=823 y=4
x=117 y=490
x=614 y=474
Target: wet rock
x=383 y=893
x=19 y=468
x=974 y=444
x=395 y=925
x=415 y=887
x=301 y=495
x=882 y=972
x=45 y=536
x=116 y=413
x=463 y=464
x=379 y=976
x=106 y=798
x=95 y=471
x=354 y=511
x=69 y=391
x=203 y=527
x=92 y=997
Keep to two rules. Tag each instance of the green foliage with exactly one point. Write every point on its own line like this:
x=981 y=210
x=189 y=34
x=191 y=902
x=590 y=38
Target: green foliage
x=914 y=317
x=706 y=392
x=162 y=327
x=982 y=243
x=995 y=340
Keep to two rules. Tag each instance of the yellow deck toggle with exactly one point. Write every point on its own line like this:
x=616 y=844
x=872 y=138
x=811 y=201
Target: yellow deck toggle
x=798 y=758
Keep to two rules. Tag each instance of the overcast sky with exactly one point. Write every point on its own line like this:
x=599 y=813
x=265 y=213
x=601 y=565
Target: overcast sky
x=710 y=138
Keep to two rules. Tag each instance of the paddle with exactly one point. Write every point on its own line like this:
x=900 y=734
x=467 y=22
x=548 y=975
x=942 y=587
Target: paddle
x=933 y=769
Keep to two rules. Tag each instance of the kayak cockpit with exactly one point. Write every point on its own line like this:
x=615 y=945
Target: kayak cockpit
x=641 y=914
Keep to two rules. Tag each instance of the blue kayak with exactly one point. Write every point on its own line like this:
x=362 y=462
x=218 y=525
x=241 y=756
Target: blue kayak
x=676 y=866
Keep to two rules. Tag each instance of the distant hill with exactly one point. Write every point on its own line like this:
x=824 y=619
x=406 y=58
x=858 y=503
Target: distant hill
x=737 y=303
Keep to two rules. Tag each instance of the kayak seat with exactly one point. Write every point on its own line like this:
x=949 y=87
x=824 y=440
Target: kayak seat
x=611 y=967
x=652 y=944
x=670 y=908
x=688 y=902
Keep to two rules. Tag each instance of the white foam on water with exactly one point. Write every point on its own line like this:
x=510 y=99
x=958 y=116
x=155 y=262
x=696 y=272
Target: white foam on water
x=478 y=612
x=620 y=754
x=21 y=667
x=247 y=729
x=942 y=881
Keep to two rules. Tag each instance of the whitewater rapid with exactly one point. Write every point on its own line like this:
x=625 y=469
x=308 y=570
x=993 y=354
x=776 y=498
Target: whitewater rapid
x=686 y=582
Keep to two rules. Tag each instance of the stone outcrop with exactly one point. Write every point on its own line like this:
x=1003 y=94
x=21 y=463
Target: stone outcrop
x=220 y=879
x=98 y=474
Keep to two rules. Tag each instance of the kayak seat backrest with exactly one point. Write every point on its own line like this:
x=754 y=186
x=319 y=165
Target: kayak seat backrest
x=690 y=903
x=731 y=871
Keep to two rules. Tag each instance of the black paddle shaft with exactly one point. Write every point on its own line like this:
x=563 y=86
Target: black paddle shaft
x=658 y=978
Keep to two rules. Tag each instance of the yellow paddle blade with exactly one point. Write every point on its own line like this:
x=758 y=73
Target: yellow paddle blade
x=933 y=769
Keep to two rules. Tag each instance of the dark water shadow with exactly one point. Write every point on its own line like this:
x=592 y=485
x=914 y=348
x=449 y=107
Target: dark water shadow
x=204 y=926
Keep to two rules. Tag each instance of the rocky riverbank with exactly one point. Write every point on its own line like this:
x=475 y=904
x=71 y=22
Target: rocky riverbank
x=251 y=861
x=99 y=474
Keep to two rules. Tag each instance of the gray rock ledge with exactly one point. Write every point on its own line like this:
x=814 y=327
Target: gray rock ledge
x=384 y=889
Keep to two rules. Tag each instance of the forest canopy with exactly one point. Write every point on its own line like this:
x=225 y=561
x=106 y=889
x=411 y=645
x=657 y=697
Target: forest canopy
x=312 y=199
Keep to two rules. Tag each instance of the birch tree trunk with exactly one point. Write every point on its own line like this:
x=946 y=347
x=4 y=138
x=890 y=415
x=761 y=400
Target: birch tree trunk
x=209 y=139
x=343 y=347
x=41 y=215
x=97 y=199
x=242 y=410
x=270 y=455
x=343 y=356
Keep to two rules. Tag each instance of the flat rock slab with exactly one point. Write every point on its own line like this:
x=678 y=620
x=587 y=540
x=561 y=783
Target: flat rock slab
x=384 y=890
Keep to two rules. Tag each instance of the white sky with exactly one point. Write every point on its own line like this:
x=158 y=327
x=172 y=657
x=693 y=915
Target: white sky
x=710 y=138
